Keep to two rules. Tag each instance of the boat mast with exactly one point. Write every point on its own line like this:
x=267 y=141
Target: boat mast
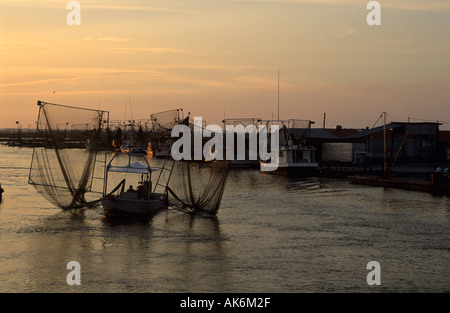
x=384 y=140
x=278 y=97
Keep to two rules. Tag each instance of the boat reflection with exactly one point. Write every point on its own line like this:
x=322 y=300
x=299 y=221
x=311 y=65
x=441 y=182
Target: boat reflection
x=117 y=217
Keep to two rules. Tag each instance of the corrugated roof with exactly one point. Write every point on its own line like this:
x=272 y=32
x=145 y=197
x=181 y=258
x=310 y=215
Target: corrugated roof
x=366 y=132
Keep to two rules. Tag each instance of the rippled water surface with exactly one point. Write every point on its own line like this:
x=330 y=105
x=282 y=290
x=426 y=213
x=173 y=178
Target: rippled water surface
x=272 y=234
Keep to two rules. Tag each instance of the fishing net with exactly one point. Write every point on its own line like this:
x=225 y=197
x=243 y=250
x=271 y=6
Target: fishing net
x=298 y=129
x=160 y=131
x=242 y=121
x=294 y=131
x=197 y=185
x=62 y=168
x=166 y=120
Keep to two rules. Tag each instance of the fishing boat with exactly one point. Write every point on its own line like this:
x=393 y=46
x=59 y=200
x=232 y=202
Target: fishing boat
x=294 y=160
x=142 y=200
x=296 y=157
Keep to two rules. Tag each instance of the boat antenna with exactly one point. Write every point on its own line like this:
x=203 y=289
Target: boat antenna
x=225 y=109
x=131 y=112
x=278 y=96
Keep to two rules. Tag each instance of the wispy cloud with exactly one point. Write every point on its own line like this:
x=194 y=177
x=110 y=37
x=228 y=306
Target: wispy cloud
x=419 y=5
x=94 y=5
x=124 y=7
x=64 y=75
x=406 y=40
x=130 y=50
x=118 y=39
x=347 y=33
x=337 y=34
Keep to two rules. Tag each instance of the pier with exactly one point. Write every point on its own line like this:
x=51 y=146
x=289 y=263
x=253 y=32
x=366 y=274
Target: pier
x=30 y=138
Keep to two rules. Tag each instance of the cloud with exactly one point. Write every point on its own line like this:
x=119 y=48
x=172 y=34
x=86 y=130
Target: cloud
x=64 y=75
x=117 y=39
x=406 y=40
x=347 y=33
x=130 y=50
x=421 y=5
x=342 y=34
x=124 y=7
x=113 y=39
x=94 y=5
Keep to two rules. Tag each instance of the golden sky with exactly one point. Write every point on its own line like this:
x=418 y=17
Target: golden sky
x=217 y=58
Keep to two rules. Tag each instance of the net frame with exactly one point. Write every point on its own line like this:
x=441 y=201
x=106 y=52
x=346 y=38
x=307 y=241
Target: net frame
x=61 y=176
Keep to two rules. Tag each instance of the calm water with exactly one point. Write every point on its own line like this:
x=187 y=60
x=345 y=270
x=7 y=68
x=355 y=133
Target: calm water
x=272 y=234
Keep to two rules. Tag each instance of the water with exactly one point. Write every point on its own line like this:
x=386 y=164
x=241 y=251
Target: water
x=272 y=234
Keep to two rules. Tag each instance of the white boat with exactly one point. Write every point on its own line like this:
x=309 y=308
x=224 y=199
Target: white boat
x=294 y=160
x=142 y=200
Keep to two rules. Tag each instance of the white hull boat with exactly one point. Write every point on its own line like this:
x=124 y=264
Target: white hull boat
x=142 y=200
x=294 y=160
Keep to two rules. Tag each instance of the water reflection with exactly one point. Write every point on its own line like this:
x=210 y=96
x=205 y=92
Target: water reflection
x=170 y=252
x=116 y=218
x=198 y=255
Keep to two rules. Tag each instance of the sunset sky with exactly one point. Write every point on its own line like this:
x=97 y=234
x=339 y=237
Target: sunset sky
x=220 y=58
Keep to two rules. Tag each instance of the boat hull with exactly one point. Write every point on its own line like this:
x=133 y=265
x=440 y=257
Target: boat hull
x=435 y=186
x=134 y=206
x=295 y=170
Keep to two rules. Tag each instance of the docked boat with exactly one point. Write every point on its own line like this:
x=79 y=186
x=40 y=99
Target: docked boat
x=142 y=200
x=133 y=148
x=439 y=183
x=294 y=160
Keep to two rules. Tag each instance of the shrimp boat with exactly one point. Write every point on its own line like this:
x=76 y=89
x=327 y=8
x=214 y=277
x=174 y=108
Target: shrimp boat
x=143 y=199
x=294 y=160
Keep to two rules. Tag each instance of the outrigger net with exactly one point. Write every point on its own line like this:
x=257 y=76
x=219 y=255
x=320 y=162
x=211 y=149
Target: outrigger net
x=298 y=129
x=166 y=120
x=199 y=185
x=292 y=130
x=62 y=168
